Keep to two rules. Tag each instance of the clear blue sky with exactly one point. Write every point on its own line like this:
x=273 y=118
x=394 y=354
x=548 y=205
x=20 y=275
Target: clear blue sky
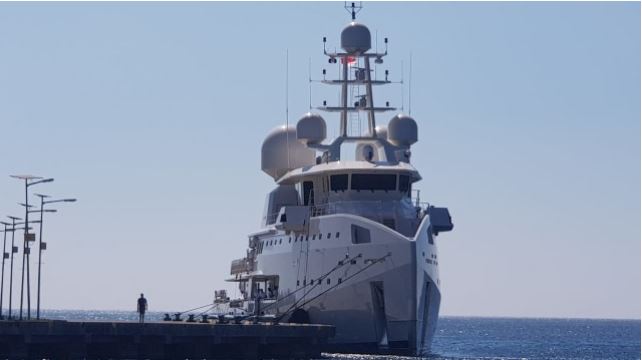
x=152 y=114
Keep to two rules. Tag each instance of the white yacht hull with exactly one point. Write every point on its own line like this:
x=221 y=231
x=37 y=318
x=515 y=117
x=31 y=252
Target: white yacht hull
x=388 y=307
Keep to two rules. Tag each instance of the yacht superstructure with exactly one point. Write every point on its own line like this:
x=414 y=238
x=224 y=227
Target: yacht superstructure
x=341 y=241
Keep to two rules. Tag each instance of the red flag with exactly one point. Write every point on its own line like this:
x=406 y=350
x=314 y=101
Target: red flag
x=350 y=60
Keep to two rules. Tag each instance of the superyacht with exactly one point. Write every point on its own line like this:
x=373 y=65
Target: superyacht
x=342 y=241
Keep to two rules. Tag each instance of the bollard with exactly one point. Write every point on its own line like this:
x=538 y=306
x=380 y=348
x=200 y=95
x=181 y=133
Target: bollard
x=177 y=317
x=190 y=318
x=204 y=318
x=167 y=317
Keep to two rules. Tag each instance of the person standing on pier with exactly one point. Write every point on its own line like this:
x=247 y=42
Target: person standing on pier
x=142 y=307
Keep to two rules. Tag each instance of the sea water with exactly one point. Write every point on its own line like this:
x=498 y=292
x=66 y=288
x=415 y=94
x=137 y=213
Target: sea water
x=483 y=338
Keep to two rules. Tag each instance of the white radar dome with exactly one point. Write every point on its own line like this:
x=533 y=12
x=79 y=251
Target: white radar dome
x=274 y=152
x=402 y=130
x=355 y=38
x=311 y=129
x=382 y=132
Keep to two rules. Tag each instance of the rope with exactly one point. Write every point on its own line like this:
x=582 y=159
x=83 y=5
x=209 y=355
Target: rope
x=196 y=308
x=339 y=265
x=332 y=287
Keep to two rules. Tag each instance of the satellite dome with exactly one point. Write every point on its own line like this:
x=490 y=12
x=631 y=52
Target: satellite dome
x=274 y=152
x=382 y=132
x=402 y=130
x=355 y=38
x=311 y=129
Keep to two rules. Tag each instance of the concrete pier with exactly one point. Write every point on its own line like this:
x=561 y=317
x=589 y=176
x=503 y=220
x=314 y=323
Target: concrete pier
x=56 y=339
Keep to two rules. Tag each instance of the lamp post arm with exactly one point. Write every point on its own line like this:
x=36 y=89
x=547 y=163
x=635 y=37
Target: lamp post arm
x=39 y=182
x=57 y=201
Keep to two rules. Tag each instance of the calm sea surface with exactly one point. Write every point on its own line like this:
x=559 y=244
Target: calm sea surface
x=488 y=338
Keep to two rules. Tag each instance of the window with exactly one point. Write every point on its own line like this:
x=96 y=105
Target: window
x=319 y=282
x=307 y=237
x=308 y=193
x=404 y=184
x=280 y=241
x=430 y=239
x=339 y=182
x=328 y=281
x=297 y=283
x=320 y=236
x=290 y=239
x=339 y=280
x=314 y=237
x=360 y=235
x=372 y=182
x=337 y=235
x=329 y=235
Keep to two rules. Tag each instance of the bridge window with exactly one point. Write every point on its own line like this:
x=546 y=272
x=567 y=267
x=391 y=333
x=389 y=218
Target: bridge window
x=372 y=182
x=404 y=183
x=339 y=182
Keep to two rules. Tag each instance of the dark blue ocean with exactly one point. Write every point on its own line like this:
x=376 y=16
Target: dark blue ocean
x=488 y=338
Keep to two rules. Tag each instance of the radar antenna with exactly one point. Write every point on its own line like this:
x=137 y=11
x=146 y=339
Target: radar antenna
x=287 y=101
x=353 y=8
x=410 y=87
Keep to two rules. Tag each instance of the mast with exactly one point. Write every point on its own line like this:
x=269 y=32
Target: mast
x=344 y=100
x=356 y=42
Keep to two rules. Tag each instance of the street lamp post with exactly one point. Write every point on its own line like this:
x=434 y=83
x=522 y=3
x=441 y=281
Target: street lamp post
x=4 y=256
x=13 y=251
x=25 y=262
x=41 y=245
x=29 y=181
